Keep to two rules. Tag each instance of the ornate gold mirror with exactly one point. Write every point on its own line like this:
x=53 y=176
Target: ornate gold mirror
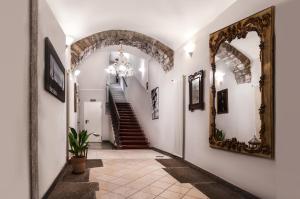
x=241 y=101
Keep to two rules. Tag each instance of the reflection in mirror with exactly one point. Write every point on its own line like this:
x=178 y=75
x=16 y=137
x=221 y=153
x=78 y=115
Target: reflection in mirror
x=195 y=91
x=238 y=71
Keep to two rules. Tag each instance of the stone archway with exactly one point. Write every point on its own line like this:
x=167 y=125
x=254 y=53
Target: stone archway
x=154 y=48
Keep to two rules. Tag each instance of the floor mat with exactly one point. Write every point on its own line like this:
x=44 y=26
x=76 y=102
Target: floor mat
x=71 y=190
x=221 y=191
x=68 y=176
x=188 y=175
x=76 y=186
x=210 y=185
x=172 y=162
x=93 y=163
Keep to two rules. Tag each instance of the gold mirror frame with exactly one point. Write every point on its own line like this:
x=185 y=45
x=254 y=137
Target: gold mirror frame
x=263 y=24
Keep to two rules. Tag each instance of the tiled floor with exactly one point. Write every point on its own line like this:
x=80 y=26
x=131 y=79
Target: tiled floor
x=135 y=174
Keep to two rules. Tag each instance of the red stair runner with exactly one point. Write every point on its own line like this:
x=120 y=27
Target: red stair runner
x=131 y=135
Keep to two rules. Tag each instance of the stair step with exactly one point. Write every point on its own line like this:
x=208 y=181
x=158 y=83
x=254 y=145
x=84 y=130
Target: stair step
x=131 y=130
x=132 y=117
x=133 y=142
x=129 y=122
x=123 y=111
x=126 y=112
x=133 y=137
x=131 y=134
x=134 y=146
x=122 y=126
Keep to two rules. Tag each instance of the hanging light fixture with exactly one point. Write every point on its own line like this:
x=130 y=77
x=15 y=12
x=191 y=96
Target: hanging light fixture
x=121 y=66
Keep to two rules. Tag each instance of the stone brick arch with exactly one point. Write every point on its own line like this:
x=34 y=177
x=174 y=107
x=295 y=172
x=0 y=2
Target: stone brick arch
x=154 y=48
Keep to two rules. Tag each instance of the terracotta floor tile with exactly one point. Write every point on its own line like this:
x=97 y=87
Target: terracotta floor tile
x=196 y=194
x=153 y=190
x=125 y=191
x=171 y=195
x=179 y=189
x=142 y=195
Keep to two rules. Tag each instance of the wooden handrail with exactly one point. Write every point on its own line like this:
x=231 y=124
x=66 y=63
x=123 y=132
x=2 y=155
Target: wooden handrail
x=115 y=116
x=124 y=80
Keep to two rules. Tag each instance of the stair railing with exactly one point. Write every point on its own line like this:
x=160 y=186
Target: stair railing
x=115 y=117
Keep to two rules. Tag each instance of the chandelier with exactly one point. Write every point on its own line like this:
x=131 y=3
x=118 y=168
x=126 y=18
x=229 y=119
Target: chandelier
x=120 y=67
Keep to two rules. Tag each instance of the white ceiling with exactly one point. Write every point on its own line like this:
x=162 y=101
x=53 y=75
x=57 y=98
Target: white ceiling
x=170 y=21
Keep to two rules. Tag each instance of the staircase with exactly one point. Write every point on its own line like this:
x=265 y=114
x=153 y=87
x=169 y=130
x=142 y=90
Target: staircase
x=128 y=132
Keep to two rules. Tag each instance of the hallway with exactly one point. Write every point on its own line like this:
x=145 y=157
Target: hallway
x=165 y=99
x=135 y=174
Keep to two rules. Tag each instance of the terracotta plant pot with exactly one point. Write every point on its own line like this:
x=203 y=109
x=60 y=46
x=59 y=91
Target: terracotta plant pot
x=78 y=164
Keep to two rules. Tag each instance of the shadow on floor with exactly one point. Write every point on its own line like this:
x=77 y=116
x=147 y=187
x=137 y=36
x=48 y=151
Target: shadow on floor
x=212 y=186
x=75 y=186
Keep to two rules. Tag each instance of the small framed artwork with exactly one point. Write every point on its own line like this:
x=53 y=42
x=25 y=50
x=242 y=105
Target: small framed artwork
x=196 y=90
x=76 y=97
x=155 y=103
x=222 y=101
x=54 y=72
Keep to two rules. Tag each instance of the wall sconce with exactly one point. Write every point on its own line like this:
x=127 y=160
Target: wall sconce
x=219 y=76
x=69 y=40
x=189 y=48
x=77 y=73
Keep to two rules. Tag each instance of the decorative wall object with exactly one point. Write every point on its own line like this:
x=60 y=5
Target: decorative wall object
x=155 y=103
x=154 y=48
x=196 y=90
x=54 y=72
x=222 y=101
x=76 y=97
x=260 y=140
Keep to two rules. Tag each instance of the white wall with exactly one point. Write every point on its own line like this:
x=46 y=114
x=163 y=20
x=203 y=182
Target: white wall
x=72 y=79
x=14 y=106
x=265 y=178
x=169 y=125
x=51 y=111
x=92 y=85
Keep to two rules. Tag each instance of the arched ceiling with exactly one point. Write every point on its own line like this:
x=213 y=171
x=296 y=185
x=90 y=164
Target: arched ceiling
x=157 y=50
x=170 y=21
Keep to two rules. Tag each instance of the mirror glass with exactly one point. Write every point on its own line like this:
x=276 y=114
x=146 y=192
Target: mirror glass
x=238 y=97
x=195 y=91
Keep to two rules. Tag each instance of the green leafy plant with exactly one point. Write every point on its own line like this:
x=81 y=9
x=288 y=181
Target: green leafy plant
x=219 y=135
x=78 y=143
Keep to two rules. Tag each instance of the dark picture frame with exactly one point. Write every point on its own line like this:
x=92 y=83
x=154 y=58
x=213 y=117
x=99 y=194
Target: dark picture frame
x=54 y=72
x=75 y=97
x=196 y=91
x=155 y=103
x=222 y=101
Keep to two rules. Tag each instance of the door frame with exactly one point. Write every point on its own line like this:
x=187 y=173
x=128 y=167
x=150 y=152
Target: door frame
x=84 y=123
x=33 y=99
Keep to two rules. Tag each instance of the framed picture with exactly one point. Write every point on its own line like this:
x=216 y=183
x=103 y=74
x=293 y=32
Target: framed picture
x=76 y=98
x=54 y=72
x=222 y=101
x=196 y=90
x=155 y=103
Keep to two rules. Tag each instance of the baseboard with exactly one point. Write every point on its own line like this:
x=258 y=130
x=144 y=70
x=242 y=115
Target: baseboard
x=51 y=188
x=213 y=176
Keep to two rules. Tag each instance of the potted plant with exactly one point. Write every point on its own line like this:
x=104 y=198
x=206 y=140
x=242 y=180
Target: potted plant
x=78 y=148
x=219 y=135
